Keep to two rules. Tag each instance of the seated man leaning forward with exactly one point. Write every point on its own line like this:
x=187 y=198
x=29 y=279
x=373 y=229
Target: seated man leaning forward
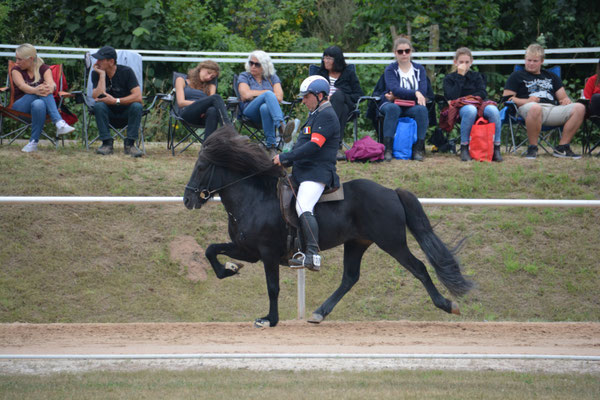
x=313 y=160
x=118 y=97
x=542 y=100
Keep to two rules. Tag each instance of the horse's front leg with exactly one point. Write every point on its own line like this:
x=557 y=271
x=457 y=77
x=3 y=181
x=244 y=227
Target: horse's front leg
x=271 y=264
x=230 y=250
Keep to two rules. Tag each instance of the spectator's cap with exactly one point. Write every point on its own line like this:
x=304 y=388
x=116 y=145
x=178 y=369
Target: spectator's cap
x=105 y=53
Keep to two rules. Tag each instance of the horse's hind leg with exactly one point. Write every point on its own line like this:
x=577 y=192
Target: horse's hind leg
x=353 y=252
x=230 y=250
x=403 y=255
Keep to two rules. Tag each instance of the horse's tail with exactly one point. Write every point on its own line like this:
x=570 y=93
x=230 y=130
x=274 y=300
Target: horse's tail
x=445 y=264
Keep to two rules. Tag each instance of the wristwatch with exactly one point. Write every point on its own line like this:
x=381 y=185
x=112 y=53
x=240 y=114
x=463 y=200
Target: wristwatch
x=118 y=101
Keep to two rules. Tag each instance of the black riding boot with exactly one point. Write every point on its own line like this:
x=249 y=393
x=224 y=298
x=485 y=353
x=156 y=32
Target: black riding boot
x=388 y=142
x=310 y=232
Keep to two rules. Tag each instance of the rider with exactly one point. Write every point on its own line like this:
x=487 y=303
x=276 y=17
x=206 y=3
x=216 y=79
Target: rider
x=313 y=159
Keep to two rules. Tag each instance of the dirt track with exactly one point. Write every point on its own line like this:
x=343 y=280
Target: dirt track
x=401 y=337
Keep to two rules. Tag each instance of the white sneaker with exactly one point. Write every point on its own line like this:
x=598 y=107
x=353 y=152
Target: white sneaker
x=62 y=128
x=30 y=147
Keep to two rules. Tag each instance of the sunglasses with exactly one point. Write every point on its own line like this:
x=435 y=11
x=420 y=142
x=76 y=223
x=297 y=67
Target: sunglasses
x=254 y=64
x=403 y=51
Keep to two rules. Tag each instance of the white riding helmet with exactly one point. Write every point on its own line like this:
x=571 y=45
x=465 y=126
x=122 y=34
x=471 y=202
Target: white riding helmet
x=314 y=84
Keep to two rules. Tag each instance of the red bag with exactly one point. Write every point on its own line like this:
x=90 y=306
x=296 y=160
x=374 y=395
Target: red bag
x=481 y=145
x=404 y=103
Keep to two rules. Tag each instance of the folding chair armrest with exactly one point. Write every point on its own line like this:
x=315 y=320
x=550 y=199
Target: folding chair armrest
x=153 y=103
x=583 y=101
x=368 y=98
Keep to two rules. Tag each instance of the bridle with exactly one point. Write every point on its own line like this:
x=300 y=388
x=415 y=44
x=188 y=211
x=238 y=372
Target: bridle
x=206 y=193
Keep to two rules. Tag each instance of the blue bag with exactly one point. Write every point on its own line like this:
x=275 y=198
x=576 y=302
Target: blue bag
x=405 y=137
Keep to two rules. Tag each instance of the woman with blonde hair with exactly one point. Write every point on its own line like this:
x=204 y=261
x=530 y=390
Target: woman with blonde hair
x=33 y=87
x=405 y=82
x=465 y=82
x=261 y=93
x=197 y=99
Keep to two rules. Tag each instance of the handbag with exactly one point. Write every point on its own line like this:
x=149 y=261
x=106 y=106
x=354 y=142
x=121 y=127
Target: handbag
x=404 y=103
x=366 y=149
x=481 y=145
x=405 y=137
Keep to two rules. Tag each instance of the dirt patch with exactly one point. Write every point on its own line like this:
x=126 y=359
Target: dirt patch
x=298 y=337
x=190 y=256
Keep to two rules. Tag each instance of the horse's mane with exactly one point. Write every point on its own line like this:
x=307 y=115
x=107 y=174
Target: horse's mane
x=225 y=147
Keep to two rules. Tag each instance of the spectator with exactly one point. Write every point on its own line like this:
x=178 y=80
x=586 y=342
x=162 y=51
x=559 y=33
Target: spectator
x=592 y=92
x=118 y=97
x=463 y=82
x=542 y=100
x=404 y=80
x=344 y=87
x=197 y=99
x=261 y=92
x=33 y=89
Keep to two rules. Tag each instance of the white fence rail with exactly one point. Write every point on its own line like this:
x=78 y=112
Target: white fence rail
x=426 y=58
x=179 y=200
x=301 y=284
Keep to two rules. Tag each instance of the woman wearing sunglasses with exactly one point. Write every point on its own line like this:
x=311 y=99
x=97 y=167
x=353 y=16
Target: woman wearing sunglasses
x=405 y=81
x=261 y=92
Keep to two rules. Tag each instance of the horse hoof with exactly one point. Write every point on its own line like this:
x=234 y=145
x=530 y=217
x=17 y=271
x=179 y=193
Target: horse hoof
x=262 y=323
x=235 y=268
x=316 y=318
x=455 y=309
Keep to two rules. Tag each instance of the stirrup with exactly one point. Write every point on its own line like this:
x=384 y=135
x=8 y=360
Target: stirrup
x=300 y=260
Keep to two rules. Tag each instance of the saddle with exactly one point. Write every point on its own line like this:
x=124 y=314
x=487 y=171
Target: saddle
x=287 y=200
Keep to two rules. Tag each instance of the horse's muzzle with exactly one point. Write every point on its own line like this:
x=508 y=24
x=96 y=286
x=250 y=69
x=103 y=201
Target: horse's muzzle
x=191 y=200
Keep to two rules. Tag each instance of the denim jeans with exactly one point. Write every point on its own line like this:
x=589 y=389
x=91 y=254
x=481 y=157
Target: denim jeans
x=37 y=106
x=392 y=112
x=468 y=115
x=265 y=109
x=131 y=113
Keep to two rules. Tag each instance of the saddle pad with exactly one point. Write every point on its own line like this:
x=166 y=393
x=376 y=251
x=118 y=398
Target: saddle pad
x=287 y=200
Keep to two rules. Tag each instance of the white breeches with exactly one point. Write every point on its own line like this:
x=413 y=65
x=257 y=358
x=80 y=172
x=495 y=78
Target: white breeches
x=308 y=195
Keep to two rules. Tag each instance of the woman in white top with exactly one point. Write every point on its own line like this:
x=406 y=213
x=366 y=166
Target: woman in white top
x=404 y=80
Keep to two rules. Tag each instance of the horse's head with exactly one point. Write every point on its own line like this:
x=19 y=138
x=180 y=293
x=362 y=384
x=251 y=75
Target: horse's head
x=225 y=155
x=198 y=190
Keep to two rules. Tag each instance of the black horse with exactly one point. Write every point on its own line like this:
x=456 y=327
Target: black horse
x=243 y=175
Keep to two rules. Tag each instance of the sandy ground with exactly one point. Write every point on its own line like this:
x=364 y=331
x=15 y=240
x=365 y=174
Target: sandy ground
x=385 y=337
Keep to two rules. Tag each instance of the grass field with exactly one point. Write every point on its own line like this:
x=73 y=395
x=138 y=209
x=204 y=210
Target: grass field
x=242 y=384
x=110 y=263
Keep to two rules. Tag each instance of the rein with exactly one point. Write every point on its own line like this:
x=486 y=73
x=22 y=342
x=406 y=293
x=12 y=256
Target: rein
x=206 y=193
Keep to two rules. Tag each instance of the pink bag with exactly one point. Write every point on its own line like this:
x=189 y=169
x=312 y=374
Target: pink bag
x=366 y=149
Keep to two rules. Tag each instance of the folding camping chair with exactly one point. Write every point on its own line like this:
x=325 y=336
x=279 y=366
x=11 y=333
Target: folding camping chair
x=249 y=127
x=175 y=120
x=118 y=126
x=23 y=120
x=377 y=117
x=550 y=135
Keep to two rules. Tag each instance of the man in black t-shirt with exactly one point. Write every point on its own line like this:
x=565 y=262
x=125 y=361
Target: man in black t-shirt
x=542 y=100
x=118 y=97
